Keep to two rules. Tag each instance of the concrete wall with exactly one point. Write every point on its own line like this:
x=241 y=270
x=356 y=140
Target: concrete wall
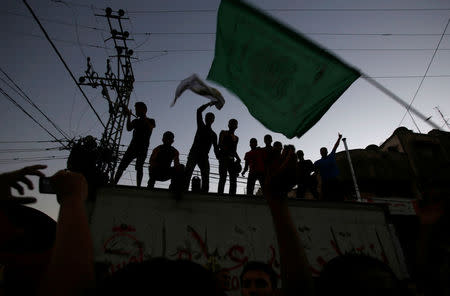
x=131 y=224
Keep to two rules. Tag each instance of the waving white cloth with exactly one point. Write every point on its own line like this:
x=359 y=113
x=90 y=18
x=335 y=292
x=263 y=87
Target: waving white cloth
x=195 y=84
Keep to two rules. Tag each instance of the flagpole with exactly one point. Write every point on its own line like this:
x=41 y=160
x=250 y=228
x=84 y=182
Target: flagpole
x=399 y=100
x=358 y=195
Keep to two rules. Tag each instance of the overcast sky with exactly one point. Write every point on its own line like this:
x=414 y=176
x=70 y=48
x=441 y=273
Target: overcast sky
x=391 y=40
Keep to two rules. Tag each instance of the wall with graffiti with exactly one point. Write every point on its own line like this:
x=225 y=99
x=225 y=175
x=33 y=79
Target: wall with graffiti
x=131 y=225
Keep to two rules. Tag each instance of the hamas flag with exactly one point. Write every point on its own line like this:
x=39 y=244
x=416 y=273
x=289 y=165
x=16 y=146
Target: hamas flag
x=286 y=81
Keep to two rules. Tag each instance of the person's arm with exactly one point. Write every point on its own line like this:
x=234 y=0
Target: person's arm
x=176 y=159
x=337 y=143
x=221 y=136
x=129 y=123
x=153 y=156
x=295 y=269
x=235 y=150
x=220 y=143
x=151 y=123
x=246 y=165
x=200 y=111
x=71 y=267
x=215 y=147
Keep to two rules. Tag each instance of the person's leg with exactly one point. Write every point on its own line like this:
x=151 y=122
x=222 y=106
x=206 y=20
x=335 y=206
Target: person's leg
x=203 y=164
x=151 y=177
x=335 y=190
x=325 y=190
x=312 y=185
x=301 y=188
x=222 y=175
x=140 y=167
x=260 y=177
x=160 y=174
x=176 y=175
x=190 y=165
x=126 y=160
x=233 y=177
x=251 y=183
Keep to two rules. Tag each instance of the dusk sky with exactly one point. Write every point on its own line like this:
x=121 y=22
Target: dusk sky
x=393 y=41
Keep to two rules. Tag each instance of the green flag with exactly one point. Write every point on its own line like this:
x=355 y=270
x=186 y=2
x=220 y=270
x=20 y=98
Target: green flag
x=286 y=81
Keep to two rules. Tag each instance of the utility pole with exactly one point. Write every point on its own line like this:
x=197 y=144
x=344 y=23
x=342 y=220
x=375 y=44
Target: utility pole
x=358 y=195
x=121 y=83
x=443 y=118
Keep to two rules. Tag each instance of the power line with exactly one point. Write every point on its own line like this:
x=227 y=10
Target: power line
x=22 y=94
x=30 y=141
x=101 y=32
x=309 y=34
x=28 y=114
x=443 y=118
x=62 y=40
x=411 y=76
x=333 y=49
x=76 y=4
x=166 y=51
x=386 y=34
x=375 y=77
x=269 y=9
x=26 y=150
x=297 y=10
x=211 y=50
x=62 y=60
x=424 y=76
x=54 y=21
x=31 y=159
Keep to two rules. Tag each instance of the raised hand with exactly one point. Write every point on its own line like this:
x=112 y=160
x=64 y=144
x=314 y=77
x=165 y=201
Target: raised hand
x=69 y=186
x=14 y=179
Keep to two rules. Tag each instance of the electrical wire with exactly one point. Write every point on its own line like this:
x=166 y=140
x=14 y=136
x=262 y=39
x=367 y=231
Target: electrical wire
x=101 y=33
x=31 y=159
x=150 y=58
x=29 y=115
x=24 y=96
x=271 y=9
x=53 y=21
x=61 y=40
x=30 y=141
x=63 y=61
x=166 y=51
x=76 y=4
x=331 y=49
x=213 y=33
x=307 y=33
x=297 y=10
x=28 y=150
x=374 y=77
x=424 y=76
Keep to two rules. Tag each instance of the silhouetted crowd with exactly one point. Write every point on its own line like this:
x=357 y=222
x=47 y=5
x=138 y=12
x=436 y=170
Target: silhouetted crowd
x=41 y=257
x=164 y=163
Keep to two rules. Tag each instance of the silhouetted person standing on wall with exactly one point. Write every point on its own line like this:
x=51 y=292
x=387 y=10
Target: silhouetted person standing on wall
x=275 y=155
x=160 y=168
x=288 y=161
x=227 y=154
x=267 y=150
x=328 y=170
x=198 y=155
x=255 y=161
x=305 y=179
x=142 y=128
